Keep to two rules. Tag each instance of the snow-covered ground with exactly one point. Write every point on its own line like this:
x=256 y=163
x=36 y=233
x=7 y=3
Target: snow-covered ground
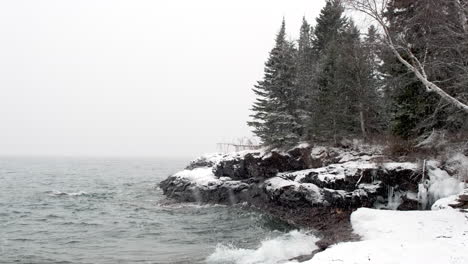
x=394 y=237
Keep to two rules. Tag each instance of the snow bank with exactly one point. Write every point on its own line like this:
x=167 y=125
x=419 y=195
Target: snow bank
x=391 y=237
x=277 y=250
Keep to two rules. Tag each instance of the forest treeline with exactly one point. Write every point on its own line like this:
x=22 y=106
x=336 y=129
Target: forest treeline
x=335 y=81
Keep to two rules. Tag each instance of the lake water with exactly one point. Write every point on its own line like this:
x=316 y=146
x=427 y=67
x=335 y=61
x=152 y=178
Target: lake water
x=79 y=210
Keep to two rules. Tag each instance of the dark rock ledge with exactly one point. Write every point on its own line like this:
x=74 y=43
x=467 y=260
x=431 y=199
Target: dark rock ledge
x=308 y=187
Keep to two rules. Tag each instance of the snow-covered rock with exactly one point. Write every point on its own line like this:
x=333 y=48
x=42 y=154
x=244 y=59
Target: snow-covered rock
x=445 y=203
x=201 y=185
x=256 y=163
x=291 y=178
x=454 y=201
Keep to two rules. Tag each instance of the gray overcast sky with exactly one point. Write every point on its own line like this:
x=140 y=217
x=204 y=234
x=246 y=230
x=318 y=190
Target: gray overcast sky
x=133 y=77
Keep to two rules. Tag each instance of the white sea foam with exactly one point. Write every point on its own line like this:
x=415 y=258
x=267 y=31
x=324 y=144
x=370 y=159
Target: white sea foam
x=272 y=251
x=59 y=193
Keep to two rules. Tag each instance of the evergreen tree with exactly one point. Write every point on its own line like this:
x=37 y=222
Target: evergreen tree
x=377 y=111
x=305 y=79
x=410 y=103
x=338 y=84
x=275 y=119
x=327 y=43
x=351 y=83
x=359 y=84
x=330 y=25
x=355 y=86
x=433 y=32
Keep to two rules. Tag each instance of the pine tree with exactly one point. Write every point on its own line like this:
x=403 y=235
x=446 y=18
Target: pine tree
x=275 y=119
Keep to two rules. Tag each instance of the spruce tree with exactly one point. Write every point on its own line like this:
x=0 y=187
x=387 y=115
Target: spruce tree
x=377 y=111
x=305 y=79
x=358 y=85
x=327 y=43
x=275 y=119
x=330 y=25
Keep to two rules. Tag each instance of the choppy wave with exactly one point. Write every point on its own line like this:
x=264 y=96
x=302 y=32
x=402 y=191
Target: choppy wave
x=178 y=205
x=74 y=205
x=272 y=251
x=59 y=193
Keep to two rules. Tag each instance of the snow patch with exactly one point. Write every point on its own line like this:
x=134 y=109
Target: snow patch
x=200 y=176
x=214 y=159
x=277 y=183
x=302 y=145
x=445 y=203
x=399 y=166
x=311 y=191
x=370 y=187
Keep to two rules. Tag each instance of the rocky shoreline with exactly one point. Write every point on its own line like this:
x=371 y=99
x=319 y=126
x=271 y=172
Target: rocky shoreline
x=313 y=187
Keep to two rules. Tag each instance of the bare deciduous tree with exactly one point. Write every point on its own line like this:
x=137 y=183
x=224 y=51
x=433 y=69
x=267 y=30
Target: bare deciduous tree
x=375 y=9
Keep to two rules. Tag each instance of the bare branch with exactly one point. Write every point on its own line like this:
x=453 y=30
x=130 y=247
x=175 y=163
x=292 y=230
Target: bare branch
x=375 y=10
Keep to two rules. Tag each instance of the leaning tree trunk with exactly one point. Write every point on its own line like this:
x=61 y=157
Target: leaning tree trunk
x=375 y=9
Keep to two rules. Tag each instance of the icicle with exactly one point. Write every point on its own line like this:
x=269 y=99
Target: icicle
x=197 y=195
x=422 y=196
x=390 y=194
x=394 y=198
x=423 y=171
x=232 y=197
x=374 y=175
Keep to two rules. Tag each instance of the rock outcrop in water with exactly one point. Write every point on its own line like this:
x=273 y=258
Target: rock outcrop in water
x=316 y=187
x=302 y=177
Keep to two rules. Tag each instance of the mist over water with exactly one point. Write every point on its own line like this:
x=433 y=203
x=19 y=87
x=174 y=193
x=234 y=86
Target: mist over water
x=70 y=210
